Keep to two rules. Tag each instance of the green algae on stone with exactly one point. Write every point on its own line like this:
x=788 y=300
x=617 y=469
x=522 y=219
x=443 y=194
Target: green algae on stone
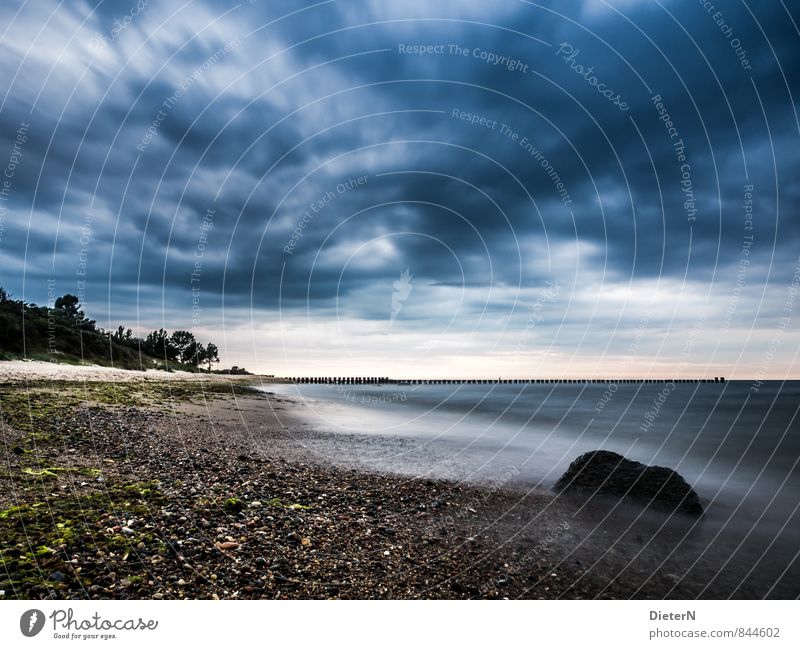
x=36 y=539
x=53 y=471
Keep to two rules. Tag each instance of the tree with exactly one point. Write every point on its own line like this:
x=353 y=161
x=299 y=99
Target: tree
x=124 y=336
x=185 y=345
x=194 y=354
x=211 y=355
x=159 y=344
x=70 y=307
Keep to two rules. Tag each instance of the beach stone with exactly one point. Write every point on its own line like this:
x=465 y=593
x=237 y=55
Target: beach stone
x=611 y=474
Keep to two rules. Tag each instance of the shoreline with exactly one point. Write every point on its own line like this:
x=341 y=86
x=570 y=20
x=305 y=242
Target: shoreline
x=22 y=371
x=208 y=489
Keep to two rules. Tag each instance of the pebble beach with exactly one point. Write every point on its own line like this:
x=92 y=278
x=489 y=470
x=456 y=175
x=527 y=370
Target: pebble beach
x=123 y=485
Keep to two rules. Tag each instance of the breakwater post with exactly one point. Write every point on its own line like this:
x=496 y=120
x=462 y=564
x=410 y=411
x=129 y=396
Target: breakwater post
x=383 y=380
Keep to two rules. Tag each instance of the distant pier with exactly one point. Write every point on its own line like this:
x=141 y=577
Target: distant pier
x=384 y=380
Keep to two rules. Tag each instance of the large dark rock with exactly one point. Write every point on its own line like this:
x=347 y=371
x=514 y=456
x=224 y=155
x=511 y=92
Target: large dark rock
x=607 y=473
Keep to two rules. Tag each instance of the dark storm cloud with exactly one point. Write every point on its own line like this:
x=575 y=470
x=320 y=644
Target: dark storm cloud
x=291 y=110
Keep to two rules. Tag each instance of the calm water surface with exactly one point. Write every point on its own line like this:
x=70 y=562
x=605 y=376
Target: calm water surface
x=740 y=449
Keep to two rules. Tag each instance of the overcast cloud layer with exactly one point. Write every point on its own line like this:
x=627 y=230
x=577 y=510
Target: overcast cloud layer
x=289 y=161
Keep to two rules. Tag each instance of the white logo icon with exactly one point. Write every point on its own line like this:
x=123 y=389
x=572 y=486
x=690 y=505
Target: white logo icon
x=31 y=622
x=402 y=289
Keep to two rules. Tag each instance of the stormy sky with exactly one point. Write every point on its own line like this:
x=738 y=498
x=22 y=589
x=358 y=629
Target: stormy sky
x=413 y=188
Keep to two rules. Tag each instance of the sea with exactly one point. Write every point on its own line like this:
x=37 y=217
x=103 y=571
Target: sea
x=737 y=442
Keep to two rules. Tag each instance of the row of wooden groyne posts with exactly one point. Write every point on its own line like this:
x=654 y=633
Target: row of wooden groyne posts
x=379 y=380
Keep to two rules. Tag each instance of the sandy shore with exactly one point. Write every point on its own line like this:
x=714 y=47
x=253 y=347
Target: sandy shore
x=174 y=489
x=20 y=371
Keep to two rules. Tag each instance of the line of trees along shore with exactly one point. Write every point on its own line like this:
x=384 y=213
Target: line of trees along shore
x=65 y=330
